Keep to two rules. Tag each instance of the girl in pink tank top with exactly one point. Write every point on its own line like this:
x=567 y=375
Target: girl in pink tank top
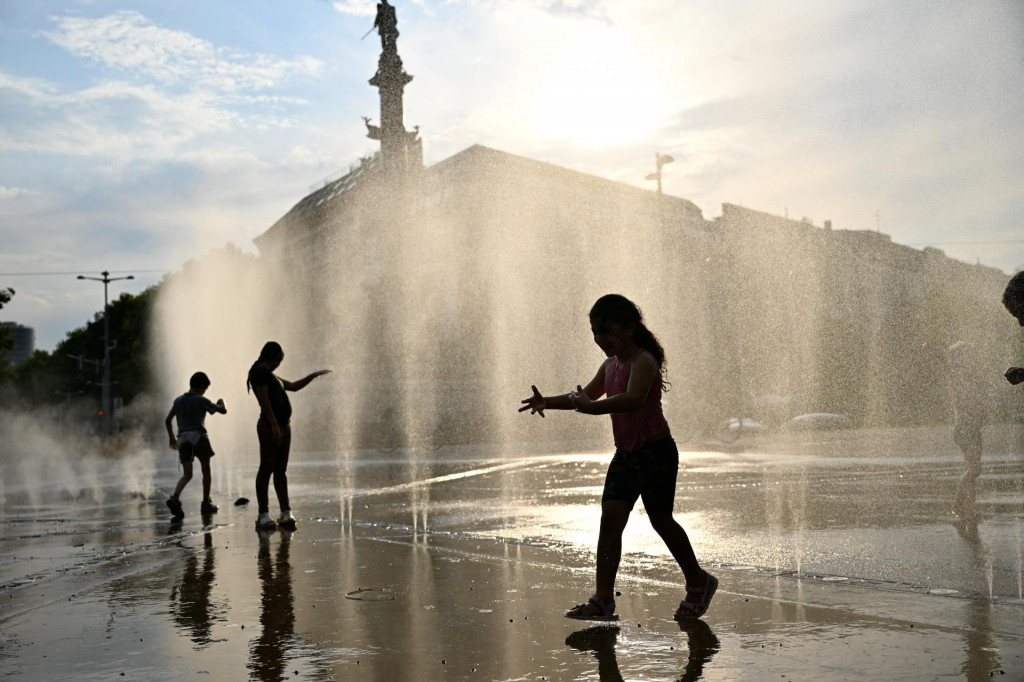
x=646 y=423
x=628 y=387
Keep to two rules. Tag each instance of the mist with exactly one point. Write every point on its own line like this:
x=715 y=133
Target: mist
x=48 y=459
x=439 y=297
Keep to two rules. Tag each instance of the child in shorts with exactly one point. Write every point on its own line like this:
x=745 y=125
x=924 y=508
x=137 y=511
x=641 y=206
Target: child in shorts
x=646 y=461
x=190 y=409
x=968 y=392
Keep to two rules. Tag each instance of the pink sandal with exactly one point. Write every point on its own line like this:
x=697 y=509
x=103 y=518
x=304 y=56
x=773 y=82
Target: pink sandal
x=695 y=608
x=605 y=610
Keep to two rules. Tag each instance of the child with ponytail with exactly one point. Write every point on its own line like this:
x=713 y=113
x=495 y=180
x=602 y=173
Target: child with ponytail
x=274 y=432
x=646 y=460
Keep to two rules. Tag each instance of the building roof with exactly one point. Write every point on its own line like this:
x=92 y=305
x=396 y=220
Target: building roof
x=509 y=169
x=328 y=192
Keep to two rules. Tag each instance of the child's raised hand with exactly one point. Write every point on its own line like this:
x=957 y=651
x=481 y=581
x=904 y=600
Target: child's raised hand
x=580 y=399
x=535 y=403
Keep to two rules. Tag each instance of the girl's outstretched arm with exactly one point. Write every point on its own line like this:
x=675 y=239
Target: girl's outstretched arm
x=641 y=378
x=304 y=381
x=537 y=403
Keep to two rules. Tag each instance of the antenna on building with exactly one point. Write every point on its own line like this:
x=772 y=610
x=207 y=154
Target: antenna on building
x=878 y=221
x=659 y=161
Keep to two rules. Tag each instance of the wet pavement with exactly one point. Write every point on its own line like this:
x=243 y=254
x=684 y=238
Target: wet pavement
x=837 y=555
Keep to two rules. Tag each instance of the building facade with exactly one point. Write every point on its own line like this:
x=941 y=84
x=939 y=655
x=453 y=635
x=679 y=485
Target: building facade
x=455 y=286
x=24 y=341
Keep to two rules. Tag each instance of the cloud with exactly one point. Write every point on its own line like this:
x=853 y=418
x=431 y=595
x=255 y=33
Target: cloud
x=590 y=9
x=14 y=192
x=172 y=89
x=114 y=120
x=832 y=110
x=362 y=7
x=129 y=42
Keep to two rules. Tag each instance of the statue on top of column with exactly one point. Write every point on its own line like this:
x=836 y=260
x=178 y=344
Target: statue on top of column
x=386 y=24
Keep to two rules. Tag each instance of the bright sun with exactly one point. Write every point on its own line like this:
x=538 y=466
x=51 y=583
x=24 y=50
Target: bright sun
x=599 y=92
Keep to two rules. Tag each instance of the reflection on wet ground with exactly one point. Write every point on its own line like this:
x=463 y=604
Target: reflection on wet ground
x=838 y=559
x=191 y=598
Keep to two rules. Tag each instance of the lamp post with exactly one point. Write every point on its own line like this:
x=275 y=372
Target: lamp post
x=106 y=279
x=659 y=161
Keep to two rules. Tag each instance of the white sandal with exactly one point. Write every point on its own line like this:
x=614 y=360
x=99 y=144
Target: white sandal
x=697 y=608
x=605 y=610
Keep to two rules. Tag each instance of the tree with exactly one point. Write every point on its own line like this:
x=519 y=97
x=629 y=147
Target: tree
x=43 y=377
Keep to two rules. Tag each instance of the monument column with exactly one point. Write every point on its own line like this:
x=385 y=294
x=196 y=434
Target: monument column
x=399 y=148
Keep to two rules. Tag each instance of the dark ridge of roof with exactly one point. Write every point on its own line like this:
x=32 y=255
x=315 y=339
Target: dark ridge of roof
x=480 y=150
x=861 y=241
x=330 y=190
x=334 y=189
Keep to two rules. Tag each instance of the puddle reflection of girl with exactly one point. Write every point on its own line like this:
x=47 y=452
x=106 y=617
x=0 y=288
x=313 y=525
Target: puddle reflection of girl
x=646 y=460
x=268 y=659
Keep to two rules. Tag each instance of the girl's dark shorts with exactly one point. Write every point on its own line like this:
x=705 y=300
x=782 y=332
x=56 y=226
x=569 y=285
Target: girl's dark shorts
x=202 y=451
x=649 y=472
x=274 y=455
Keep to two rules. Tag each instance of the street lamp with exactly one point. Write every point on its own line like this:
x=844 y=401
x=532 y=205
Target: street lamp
x=659 y=161
x=106 y=279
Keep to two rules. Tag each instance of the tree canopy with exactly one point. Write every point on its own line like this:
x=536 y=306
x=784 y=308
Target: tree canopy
x=75 y=366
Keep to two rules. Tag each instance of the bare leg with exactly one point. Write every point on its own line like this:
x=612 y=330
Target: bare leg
x=678 y=542
x=205 y=467
x=266 y=469
x=281 y=469
x=966 y=490
x=186 y=476
x=281 y=488
x=262 y=496
x=614 y=515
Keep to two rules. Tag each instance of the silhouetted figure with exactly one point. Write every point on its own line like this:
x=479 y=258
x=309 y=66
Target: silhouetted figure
x=1013 y=299
x=981 y=656
x=646 y=460
x=969 y=396
x=386 y=24
x=269 y=655
x=191 y=606
x=274 y=431
x=601 y=640
x=373 y=132
x=701 y=644
x=193 y=442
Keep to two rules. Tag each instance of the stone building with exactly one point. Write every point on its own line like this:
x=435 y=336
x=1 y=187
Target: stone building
x=848 y=321
x=429 y=275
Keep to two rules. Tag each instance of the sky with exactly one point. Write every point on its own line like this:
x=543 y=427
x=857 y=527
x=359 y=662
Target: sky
x=137 y=135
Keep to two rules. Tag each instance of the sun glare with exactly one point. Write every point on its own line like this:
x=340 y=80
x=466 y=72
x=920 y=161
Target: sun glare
x=598 y=92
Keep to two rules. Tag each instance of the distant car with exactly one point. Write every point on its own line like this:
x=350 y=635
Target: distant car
x=745 y=425
x=819 y=421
